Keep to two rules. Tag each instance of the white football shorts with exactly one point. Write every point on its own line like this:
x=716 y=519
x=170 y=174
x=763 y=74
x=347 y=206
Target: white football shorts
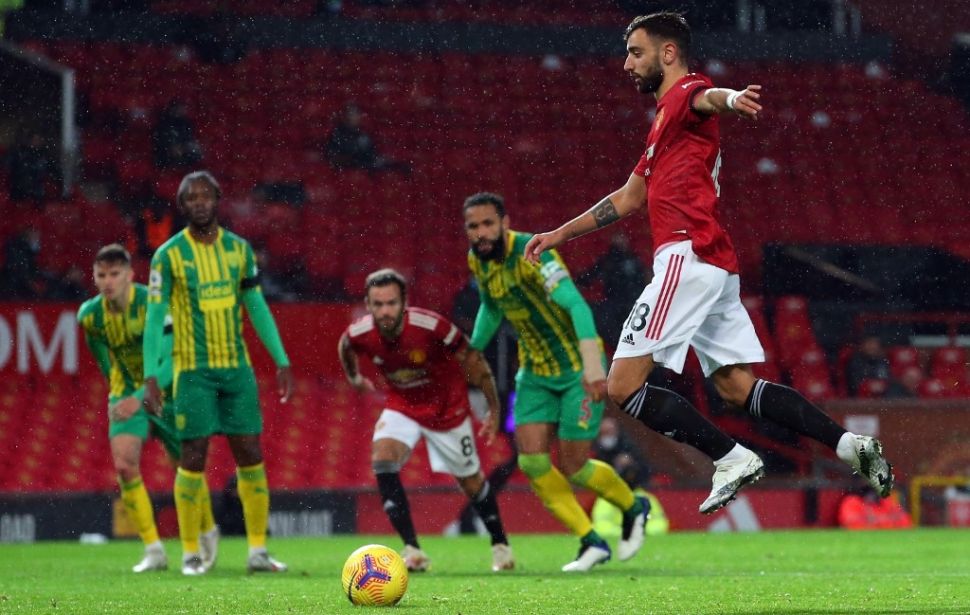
x=690 y=303
x=450 y=452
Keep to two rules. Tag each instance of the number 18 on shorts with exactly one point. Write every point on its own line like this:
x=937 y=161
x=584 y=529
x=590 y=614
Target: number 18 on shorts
x=690 y=303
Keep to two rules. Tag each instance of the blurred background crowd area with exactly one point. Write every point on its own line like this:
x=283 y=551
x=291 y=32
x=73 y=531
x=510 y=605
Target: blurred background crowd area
x=347 y=134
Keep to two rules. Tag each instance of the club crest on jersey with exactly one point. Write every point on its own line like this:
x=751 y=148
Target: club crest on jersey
x=418 y=356
x=650 y=151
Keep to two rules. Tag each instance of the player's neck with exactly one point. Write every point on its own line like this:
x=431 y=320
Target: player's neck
x=120 y=304
x=393 y=335
x=204 y=234
x=671 y=76
x=396 y=331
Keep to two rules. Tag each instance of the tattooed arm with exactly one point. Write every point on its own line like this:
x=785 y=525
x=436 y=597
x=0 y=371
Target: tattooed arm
x=618 y=204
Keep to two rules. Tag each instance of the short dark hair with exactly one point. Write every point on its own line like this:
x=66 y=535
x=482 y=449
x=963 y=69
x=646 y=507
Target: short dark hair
x=384 y=277
x=113 y=254
x=486 y=198
x=197 y=176
x=665 y=25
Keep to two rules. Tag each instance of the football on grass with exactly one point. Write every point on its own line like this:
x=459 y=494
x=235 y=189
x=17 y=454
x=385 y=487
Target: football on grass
x=374 y=575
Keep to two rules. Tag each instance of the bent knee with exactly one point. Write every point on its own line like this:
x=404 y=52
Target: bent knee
x=733 y=393
x=618 y=390
x=127 y=471
x=534 y=466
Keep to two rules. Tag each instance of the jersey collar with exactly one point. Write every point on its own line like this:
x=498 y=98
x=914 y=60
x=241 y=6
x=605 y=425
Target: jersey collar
x=106 y=305
x=196 y=242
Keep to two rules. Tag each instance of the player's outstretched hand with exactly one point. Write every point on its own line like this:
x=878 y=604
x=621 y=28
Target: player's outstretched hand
x=540 y=243
x=595 y=390
x=746 y=105
x=153 y=397
x=284 y=383
x=489 y=427
x=124 y=409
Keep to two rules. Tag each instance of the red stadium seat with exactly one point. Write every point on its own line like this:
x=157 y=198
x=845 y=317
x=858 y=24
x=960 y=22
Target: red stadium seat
x=950 y=365
x=903 y=358
x=872 y=387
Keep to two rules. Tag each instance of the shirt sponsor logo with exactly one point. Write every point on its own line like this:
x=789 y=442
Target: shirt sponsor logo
x=408 y=378
x=218 y=295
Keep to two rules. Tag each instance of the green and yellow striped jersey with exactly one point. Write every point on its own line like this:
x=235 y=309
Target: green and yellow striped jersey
x=203 y=285
x=548 y=345
x=121 y=333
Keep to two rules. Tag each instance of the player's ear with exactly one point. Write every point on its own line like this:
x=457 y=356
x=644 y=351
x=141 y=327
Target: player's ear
x=669 y=53
x=129 y=275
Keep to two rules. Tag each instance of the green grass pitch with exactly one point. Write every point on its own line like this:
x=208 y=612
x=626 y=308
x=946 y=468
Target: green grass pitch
x=921 y=571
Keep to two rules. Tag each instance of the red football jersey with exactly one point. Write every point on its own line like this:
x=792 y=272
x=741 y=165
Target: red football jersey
x=680 y=166
x=426 y=382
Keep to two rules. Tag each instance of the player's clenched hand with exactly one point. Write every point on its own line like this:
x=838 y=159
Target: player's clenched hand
x=124 y=409
x=595 y=390
x=540 y=243
x=746 y=103
x=153 y=397
x=489 y=427
x=284 y=383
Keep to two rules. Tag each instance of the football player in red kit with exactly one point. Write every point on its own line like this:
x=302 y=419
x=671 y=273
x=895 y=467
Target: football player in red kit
x=428 y=366
x=694 y=298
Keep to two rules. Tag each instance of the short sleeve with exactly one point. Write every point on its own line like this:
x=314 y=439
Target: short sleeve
x=160 y=278
x=641 y=168
x=450 y=336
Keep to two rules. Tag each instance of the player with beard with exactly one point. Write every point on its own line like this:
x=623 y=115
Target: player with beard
x=206 y=274
x=561 y=381
x=694 y=298
x=428 y=365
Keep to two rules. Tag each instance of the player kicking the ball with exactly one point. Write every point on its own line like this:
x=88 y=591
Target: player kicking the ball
x=694 y=299
x=428 y=365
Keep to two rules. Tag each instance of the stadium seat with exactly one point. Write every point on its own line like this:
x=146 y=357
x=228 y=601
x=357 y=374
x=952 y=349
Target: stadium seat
x=903 y=358
x=872 y=387
x=949 y=364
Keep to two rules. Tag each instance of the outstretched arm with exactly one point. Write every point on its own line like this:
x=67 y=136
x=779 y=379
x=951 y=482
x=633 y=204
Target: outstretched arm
x=348 y=360
x=723 y=100
x=265 y=327
x=618 y=204
x=479 y=374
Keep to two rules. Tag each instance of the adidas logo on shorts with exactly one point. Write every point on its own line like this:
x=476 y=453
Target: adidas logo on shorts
x=628 y=339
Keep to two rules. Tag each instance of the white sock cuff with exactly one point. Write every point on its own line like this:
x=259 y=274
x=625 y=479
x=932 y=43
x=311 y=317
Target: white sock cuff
x=845 y=450
x=735 y=454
